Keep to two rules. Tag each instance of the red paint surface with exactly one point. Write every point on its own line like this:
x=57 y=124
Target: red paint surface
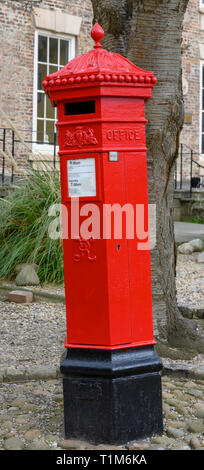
x=108 y=291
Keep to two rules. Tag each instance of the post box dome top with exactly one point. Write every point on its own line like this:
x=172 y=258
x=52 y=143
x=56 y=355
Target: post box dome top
x=98 y=66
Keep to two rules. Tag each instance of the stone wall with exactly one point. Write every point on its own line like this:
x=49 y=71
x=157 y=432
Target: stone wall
x=192 y=54
x=186 y=207
x=17 y=28
x=17 y=32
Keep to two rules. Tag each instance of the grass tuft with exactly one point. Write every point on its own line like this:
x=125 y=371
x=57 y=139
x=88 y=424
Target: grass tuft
x=24 y=225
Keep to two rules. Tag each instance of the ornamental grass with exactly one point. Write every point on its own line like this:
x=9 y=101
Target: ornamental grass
x=24 y=223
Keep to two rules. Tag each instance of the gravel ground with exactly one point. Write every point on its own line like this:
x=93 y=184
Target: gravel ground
x=31 y=409
x=31 y=334
x=51 y=289
x=190 y=280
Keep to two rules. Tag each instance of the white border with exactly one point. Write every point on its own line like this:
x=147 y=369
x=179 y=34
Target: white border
x=72 y=48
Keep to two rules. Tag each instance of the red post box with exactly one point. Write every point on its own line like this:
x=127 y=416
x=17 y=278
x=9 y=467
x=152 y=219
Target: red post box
x=112 y=383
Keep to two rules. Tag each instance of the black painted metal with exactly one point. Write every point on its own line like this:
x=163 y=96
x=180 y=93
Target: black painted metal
x=192 y=178
x=112 y=397
x=175 y=175
x=113 y=363
x=191 y=173
x=9 y=140
x=181 y=166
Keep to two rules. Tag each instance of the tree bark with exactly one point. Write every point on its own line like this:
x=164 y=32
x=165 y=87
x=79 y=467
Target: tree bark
x=149 y=33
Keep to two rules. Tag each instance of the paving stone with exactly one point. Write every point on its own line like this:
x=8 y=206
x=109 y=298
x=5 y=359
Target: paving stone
x=38 y=445
x=30 y=401
x=195 y=393
x=171 y=401
x=58 y=397
x=13 y=410
x=22 y=419
x=199 y=410
x=51 y=438
x=197 y=244
x=174 y=432
x=178 y=393
x=185 y=248
x=18 y=401
x=13 y=443
x=195 y=426
x=167 y=395
x=194 y=443
x=180 y=446
x=162 y=440
x=169 y=385
x=177 y=424
x=12 y=374
x=200 y=258
x=32 y=434
x=166 y=410
x=20 y=296
x=198 y=373
x=138 y=445
x=72 y=444
x=6 y=426
x=41 y=372
x=109 y=447
x=182 y=409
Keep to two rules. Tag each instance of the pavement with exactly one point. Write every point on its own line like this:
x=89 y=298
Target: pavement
x=32 y=416
x=185 y=231
x=31 y=395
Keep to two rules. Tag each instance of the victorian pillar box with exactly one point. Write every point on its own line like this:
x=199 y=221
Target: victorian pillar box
x=111 y=371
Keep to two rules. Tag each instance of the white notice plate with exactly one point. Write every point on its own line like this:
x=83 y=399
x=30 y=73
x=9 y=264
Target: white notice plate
x=81 y=177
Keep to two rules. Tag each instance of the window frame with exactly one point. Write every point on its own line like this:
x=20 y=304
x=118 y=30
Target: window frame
x=37 y=147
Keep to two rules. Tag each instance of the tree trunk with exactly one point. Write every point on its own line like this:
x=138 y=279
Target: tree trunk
x=149 y=33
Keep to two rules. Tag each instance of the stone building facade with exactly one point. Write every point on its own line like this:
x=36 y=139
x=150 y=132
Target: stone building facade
x=192 y=135
x=37 y=37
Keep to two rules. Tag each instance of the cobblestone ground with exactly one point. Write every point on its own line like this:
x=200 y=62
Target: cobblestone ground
x=31 y=398
x=31 y=417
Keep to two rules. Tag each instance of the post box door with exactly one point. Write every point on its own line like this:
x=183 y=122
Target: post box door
x=97 y=273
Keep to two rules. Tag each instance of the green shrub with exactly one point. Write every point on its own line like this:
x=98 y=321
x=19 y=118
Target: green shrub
x=24 y=225
x=196 y=221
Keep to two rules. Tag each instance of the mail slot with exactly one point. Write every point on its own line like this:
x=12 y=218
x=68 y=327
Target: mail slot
x=79 y=107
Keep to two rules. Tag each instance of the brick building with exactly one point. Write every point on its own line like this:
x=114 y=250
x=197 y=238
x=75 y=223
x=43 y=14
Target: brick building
x=192 y=135
x=37 y=37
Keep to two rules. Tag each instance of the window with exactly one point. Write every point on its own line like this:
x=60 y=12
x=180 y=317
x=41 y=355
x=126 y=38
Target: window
x=52 y=52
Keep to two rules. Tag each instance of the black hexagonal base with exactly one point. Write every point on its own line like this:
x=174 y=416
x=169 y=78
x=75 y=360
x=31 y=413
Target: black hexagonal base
x=112 y=397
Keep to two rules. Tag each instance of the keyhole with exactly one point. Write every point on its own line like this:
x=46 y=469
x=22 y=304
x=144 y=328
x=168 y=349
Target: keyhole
x=118 y=247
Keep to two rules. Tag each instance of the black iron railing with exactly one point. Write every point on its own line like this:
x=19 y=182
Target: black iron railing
x=189 y=173
x=11 y=145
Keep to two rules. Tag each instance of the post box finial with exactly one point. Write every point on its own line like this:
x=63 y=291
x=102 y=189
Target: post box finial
x=97 y=33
